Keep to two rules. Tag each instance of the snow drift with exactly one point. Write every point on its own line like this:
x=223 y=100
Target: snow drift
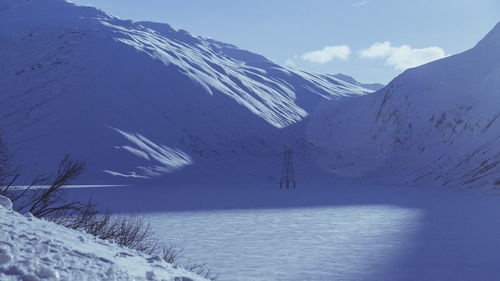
x=33 y=249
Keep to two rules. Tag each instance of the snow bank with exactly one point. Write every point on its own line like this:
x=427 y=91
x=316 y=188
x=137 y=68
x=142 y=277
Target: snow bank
x=33 y=249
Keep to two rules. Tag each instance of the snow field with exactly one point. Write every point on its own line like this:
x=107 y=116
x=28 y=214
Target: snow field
x=33 y=250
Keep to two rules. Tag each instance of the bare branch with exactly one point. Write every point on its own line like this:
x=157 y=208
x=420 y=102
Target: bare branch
x=10 y=184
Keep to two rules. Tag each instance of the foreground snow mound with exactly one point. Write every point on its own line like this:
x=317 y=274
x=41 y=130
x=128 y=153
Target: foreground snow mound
x=434 y=124
x=138 y=100
x=33 y=249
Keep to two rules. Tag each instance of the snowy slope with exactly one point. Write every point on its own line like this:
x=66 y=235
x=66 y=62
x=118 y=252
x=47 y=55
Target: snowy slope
x=371 y=86
x=433 y=124
x=33 y=249
x=139 y=100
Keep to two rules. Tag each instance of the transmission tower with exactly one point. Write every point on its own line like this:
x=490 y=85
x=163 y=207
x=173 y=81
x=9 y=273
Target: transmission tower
x=287 y=171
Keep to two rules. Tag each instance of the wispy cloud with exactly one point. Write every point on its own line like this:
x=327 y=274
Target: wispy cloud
x=327 y=54
x=291 y=62
x=404 y=56
x=362 y=3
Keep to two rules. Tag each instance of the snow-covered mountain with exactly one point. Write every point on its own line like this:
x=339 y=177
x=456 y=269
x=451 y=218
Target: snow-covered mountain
x=141 y=99
x=370 y=86
x=434 y=124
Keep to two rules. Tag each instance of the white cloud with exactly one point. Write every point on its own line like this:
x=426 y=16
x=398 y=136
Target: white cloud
x=377 y=50
x=327 y=54
x=404 y=56
x=362 y=3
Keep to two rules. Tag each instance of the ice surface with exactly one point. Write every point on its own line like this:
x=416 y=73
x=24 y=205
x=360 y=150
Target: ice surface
x=343 y=243
x=323 y=232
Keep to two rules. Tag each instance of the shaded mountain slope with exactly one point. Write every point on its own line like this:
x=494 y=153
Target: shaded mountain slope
x=433 y=124
x=139 y=100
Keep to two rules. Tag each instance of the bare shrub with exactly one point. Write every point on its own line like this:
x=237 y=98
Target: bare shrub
x=130 y=231
x=45 y=196
x=202 y=270
x=170 y=253
x=135 y=233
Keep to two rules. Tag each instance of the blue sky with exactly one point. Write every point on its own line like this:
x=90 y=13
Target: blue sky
x=371 y=40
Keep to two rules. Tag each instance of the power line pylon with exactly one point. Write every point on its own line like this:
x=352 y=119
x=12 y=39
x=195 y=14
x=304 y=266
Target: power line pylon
x=287 y=171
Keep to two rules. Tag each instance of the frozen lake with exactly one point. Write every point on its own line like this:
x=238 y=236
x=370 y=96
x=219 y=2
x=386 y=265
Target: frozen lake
x=342 y=243
x=343 y=232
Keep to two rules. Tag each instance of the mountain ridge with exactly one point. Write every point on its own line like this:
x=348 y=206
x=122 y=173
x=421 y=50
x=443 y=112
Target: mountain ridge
x=347 y=78
x=435 y=124
x=128 y=99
